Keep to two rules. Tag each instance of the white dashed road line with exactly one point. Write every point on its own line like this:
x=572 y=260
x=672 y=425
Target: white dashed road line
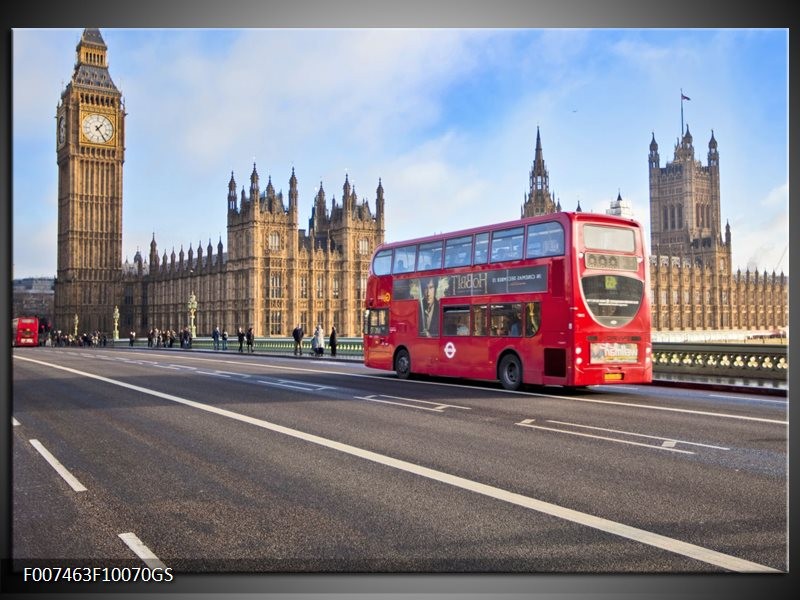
x=142 y=551
x=60 y=469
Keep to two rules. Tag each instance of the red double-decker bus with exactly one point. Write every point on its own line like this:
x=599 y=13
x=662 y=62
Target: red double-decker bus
x=25 y=331
x=559 y=299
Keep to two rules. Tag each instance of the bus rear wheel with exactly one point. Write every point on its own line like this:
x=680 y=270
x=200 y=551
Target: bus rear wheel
x=402 y=364
x=510 y=372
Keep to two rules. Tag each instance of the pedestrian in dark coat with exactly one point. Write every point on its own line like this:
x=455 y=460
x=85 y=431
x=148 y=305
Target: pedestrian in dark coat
x=240 y=335
x=250 y=336
x=297 y=335
x=332 y=340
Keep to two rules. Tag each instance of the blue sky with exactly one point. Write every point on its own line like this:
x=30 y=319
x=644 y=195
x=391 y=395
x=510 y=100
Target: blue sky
x=446 y=118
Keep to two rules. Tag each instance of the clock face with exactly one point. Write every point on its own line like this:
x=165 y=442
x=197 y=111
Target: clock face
x=62 y=130
x=98 y=128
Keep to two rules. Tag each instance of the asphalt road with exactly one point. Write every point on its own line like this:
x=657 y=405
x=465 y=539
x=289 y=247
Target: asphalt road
x=201 y=462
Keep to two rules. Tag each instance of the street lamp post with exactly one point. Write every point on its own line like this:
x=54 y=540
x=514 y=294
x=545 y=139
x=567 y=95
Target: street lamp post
x=192 y=306
x=116 y=323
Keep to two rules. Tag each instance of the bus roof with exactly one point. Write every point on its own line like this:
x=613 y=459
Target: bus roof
x=559 y=216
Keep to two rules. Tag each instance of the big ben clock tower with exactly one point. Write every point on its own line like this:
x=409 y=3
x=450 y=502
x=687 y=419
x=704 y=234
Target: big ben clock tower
x=90 y=150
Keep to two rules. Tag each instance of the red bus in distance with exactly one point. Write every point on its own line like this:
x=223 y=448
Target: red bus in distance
x=559 y=299
x=25 y=331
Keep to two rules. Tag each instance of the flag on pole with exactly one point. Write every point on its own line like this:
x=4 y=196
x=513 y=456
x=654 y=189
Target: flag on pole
x=684 y=97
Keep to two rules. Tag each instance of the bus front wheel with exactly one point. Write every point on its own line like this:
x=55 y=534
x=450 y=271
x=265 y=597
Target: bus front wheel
x=402 y=364
x=510 y=372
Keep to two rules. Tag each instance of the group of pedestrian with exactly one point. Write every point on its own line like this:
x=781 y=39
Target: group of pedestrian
x=243 y=337
x=217 y=336
x=317 y=341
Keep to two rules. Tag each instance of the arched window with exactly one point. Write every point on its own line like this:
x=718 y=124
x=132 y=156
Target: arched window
x=274 y=241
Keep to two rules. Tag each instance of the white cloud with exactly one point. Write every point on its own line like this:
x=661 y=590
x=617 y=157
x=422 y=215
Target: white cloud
x=386 y=103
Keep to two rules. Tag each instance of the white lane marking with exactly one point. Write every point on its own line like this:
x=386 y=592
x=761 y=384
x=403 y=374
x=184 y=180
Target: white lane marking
x=60 y=469
x=501 y=391
x=740 y=399
x=142 y=551
x=643 y=536
x=602 y=437
x=14 y=422
x=437 y=406
x=294 y=385
x=652 y=437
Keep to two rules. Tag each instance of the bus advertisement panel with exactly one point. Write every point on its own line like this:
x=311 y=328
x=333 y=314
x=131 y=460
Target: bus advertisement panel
x=553 y=300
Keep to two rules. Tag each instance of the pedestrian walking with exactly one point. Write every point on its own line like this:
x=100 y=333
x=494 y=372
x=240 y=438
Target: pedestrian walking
x=332 y=340
x=250 y=339
x=215 y=337
x=224 y=339
x=318 y=342
x=240 y=335
x=297 y=335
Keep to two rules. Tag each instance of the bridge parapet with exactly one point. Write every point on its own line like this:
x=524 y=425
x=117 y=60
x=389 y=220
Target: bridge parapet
x=748 y=361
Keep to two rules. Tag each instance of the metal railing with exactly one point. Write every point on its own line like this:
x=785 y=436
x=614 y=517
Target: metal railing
x=746 y=361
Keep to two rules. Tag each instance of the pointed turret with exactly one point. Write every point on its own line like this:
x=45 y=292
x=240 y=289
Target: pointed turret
x=653 y=159
x=254 y=190
x=379 y=204
x=232 y=194
x=293 y=194
x=539 y=201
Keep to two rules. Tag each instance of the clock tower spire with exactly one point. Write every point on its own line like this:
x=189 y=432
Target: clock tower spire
x=90 y=151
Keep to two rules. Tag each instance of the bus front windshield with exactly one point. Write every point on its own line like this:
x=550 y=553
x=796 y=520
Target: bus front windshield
x=612 y=300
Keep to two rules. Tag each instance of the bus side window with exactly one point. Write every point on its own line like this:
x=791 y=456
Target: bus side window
x=456 y=320
x=507 y=319
x=479 y=323
x=481 y=248
x=382 y=263
x=377 y=321
x=405 y=259
x=545 y=239
x=458 y=252
x=430 y=256
x=533 y=318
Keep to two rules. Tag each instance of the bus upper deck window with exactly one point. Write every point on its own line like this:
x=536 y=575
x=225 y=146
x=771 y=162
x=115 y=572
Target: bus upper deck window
x=405 y=259
x=458 y=252
x=481 y=248
x=430 y=256
x=545 y=239
x=382 y=263
x=507 y=244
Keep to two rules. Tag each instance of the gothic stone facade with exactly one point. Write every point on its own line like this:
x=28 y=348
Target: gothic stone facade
x=692 y=283
x=272 y=277
x=692 y=286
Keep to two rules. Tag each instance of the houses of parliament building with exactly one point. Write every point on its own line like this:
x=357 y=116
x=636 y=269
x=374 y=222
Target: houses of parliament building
x=271 y=277
x=274 y=275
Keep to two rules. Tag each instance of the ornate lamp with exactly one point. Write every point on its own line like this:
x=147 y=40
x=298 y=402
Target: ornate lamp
x=116 y=323
x=192 y=306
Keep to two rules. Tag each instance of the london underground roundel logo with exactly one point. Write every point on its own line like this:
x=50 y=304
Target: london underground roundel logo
x=450 y=350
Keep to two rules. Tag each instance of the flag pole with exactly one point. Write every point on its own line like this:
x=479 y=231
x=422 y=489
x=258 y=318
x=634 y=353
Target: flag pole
x=683 y=97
